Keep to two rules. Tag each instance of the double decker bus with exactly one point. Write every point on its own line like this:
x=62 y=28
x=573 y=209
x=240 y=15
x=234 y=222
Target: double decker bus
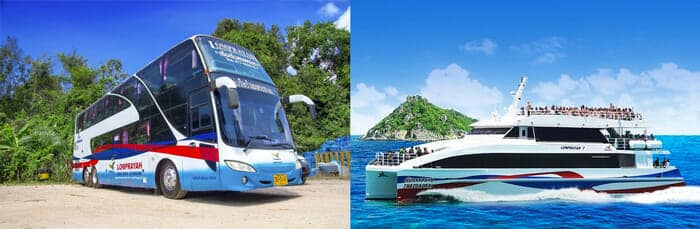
x=203 y=116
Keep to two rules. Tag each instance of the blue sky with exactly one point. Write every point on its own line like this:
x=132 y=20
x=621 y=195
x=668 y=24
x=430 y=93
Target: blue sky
x=469 y=55
x=137 y=32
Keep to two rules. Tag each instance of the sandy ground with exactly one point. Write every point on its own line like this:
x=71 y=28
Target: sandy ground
x=322 y=203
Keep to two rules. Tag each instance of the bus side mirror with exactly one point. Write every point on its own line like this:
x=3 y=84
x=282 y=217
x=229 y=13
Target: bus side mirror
x=302 y=98
x=232 y=98
x=231 y=92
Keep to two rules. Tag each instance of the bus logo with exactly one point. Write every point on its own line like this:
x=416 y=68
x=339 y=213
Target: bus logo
x=276 y=156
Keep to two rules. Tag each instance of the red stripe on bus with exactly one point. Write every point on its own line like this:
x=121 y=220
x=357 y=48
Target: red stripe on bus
x=204 y=153
x=84 y=164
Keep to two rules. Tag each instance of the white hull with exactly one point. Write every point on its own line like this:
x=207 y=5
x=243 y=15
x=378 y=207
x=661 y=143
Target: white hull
x=408 y=185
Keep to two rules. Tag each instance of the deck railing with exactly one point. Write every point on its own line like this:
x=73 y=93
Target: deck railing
x=620 y=143
x=391 y=158
x=614 y=115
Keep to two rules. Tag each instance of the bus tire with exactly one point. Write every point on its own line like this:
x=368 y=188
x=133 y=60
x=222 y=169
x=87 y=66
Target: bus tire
x=169 y=181
x=86 y=177
x=94 y=181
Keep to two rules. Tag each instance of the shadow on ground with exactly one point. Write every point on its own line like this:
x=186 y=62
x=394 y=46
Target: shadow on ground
x=227 y=198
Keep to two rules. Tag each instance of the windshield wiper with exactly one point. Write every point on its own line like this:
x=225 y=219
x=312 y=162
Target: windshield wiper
x=257 y=137
x=283 y=144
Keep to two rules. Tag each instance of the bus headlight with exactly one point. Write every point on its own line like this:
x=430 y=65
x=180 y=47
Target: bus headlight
x=298 y=164
x=240 y=166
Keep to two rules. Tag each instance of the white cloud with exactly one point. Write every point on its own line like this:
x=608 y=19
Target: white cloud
x=328 y=10
x=448 y=87
x=392 y=91
x=343 y=21
x=368 y=106
x=544 y=51
x=665 y=95
x=451 y=87
x=486 y=46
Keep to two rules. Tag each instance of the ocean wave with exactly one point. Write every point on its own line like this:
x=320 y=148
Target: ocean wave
x=686 y=194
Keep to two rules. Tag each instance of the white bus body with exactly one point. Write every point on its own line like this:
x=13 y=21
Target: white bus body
x=203 y=116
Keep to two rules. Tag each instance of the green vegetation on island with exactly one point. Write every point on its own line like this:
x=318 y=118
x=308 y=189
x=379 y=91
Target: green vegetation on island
x=38 y=105
x=419 y=120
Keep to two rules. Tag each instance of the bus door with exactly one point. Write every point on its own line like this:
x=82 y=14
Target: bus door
x=202 y=135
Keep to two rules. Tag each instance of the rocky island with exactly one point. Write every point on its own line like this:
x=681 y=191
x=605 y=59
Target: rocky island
x=419 y=120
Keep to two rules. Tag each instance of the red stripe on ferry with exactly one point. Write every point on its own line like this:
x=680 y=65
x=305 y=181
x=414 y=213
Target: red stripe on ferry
x=562 y=174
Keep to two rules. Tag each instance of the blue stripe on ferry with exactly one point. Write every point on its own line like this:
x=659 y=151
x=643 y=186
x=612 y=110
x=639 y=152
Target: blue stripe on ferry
x=670 y=173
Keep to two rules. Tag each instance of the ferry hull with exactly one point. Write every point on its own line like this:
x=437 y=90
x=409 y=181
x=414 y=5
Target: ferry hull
x=380 y=184
x=415 y=184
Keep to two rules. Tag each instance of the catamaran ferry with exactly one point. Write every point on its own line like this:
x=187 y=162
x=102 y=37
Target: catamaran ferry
x=530 y=150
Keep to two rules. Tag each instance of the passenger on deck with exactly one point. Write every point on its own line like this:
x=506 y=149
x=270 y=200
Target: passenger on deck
x=389 y=157
x=656 y=163
x=411 y=153
x=419 y=151
x=529 y=108
x=666 y=162
x=651 y=136
x=425 y=150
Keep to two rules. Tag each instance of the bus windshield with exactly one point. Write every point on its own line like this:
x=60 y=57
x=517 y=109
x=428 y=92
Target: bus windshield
x=258 y=122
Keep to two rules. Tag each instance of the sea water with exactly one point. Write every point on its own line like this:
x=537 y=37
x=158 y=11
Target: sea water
x=566 y=208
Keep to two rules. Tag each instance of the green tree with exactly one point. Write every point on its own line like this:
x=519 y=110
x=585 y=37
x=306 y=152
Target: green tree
x=112 y=72
x=26 y=149
x=14 y=71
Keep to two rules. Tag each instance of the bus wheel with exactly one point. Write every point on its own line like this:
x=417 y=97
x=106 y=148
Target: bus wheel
x=170 y=182
x=95 y=183
x=86 y=177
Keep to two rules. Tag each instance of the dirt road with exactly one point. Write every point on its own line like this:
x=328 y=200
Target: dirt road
x=318 y=204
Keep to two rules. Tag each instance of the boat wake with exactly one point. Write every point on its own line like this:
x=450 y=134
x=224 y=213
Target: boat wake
x=686 y=194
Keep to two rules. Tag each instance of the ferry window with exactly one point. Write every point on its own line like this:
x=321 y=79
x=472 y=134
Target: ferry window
x=627 y=160
x=513 y=133
x=478 y=131
x=533 y=160
x=569 y=134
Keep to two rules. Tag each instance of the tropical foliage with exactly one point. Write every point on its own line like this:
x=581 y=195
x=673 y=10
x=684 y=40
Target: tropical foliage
x=38 y=105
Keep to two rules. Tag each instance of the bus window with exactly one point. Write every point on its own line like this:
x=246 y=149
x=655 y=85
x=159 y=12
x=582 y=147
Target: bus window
x=141 y=135
x=125 y=136
x=201 y=114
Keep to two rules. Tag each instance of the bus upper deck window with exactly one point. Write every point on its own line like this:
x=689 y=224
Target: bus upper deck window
x=194 y=59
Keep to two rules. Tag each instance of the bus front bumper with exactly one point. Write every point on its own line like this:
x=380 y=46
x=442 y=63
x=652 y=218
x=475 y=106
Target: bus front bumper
x=263 y=177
